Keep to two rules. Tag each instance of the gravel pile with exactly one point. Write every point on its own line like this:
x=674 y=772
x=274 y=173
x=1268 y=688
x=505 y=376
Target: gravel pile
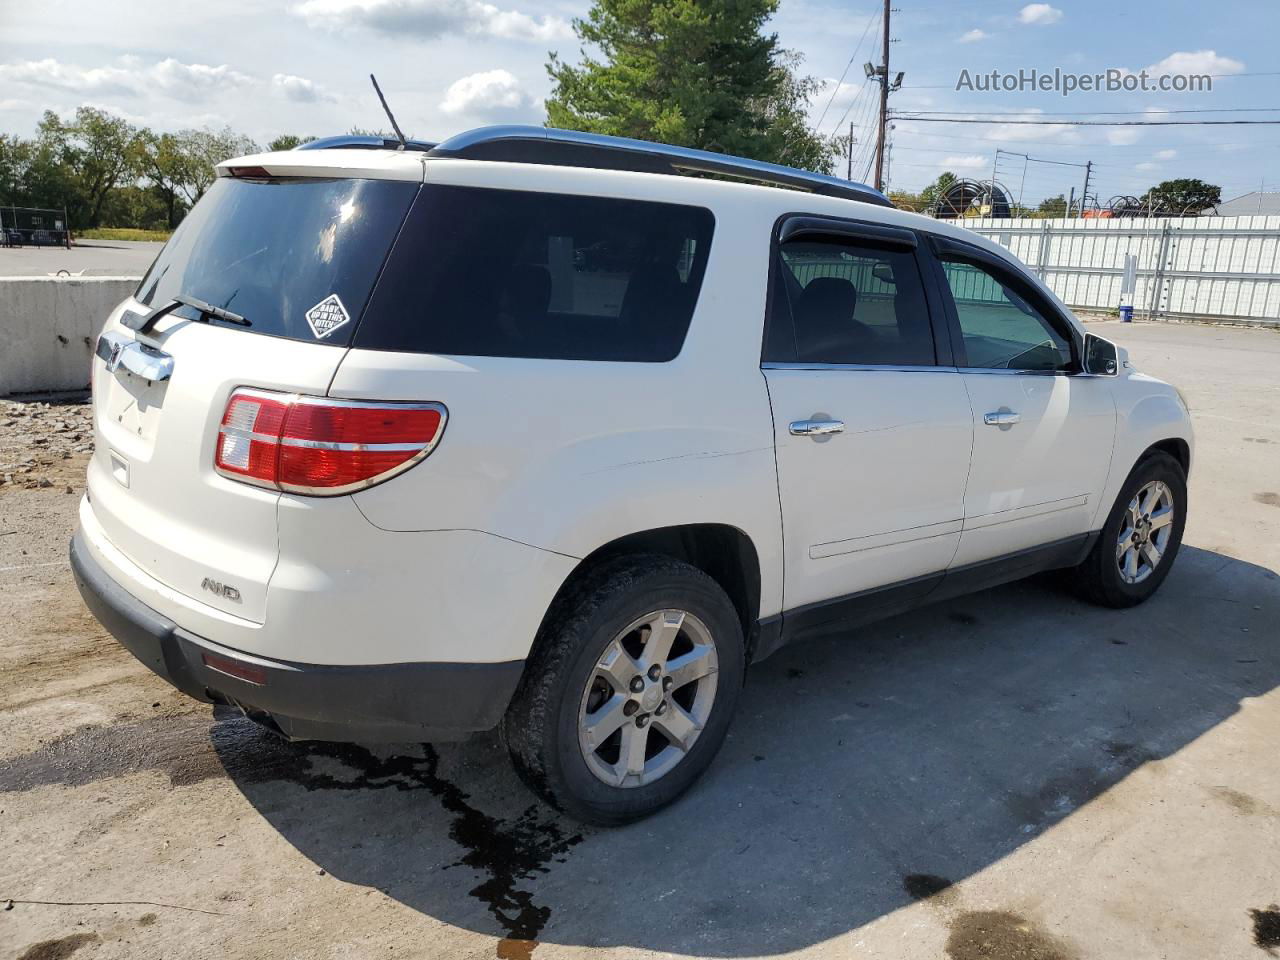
x=37 y=438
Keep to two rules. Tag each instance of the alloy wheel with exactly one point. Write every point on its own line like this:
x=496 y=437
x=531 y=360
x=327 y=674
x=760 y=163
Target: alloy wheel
x=648 y=698
x=1145 y=532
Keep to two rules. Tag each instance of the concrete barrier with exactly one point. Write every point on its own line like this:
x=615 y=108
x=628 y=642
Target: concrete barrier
x=47 y=329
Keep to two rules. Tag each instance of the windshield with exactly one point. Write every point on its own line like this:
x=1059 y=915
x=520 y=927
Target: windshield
x=296 y=258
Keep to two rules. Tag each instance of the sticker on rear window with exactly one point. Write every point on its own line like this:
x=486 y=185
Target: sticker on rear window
x=327 y=316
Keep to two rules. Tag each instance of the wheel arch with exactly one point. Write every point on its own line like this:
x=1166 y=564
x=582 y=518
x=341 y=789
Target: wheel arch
x=721 y=551
x=1175 y=447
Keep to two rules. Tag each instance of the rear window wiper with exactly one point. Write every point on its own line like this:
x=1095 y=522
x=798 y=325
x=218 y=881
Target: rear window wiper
x=142 y=323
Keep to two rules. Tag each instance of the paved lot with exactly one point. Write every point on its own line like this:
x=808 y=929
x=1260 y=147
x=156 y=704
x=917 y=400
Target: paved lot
x=90 y=258
x=1013 y=775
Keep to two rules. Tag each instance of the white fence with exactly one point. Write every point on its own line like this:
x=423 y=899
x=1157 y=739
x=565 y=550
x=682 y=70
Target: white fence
x=1211 y=267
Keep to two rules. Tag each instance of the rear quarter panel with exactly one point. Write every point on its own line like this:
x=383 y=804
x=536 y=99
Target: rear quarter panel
x=570 y=455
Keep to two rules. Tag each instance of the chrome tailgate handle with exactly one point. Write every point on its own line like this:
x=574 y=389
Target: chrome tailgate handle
x=117 y=350
x=1001 y=418
x=816 y=428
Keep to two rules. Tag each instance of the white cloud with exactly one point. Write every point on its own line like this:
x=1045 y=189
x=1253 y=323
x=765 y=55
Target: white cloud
x=189 y=81
x=1121 y=136
x=299 y=89
x=431 y=18
x=182 y=81
x=490 y=94
x=968 y=162
x=1147 y=166
x=1166 y=154
x=973 y=36
x=1198 y=61
x=1041 y=14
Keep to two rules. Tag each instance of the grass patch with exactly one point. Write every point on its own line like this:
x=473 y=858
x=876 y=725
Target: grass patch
x=121 y=233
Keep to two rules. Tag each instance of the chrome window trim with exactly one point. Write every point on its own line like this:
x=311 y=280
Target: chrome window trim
x=921 y=368
x=859 y=367
x=1006 y=372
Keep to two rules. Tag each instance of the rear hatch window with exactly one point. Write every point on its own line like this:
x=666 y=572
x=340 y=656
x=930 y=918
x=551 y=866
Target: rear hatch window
x=507 y=273
x=295 y=257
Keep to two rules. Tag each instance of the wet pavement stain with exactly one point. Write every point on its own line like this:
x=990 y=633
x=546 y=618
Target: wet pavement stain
x=1266 y=928
x=1002 y=935
x=57 y=949
x=1238 y=801
x=509 y=852
x=1269 y=498
x=190 y=749
x=1127 y=755
x=922 y=886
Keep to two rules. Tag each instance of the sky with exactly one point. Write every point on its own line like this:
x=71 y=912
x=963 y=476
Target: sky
x=301 y=66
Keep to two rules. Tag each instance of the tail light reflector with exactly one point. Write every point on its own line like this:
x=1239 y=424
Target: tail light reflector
x=320 y=446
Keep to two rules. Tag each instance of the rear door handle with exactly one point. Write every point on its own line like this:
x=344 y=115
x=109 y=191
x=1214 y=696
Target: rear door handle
x=1001 y=418
x=816 y=428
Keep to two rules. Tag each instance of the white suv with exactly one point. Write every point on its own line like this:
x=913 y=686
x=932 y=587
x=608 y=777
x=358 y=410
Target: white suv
x=523 y=429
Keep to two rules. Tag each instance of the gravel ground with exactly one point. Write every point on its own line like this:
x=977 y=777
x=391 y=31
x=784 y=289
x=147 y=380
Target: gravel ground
x=45 y=444
x=1013 y=775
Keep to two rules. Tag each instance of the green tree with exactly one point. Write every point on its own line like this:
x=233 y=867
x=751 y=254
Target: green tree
x=51 y=177
x=101 y=150
x=288 y=141
x=15 y=170
x=204 y=150
x=905 y=200
x=1053 y=206
x=1189 y=194
x=935 y=191
x=162 y=160
x=694 y=73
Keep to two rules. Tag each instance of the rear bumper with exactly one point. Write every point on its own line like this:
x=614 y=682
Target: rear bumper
x=393 y=702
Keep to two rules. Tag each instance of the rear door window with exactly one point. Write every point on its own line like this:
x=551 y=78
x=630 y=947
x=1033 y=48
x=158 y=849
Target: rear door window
x=505 y=273
x=849 y=302
x=295 y=257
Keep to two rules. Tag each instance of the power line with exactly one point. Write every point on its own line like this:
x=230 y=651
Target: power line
x=1092 y=113
x=1214 y=76
x=870 y=24
x=866 y=85
x=1095 y=123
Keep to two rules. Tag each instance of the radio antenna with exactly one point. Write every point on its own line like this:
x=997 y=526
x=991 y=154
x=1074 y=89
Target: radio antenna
x=395 y=126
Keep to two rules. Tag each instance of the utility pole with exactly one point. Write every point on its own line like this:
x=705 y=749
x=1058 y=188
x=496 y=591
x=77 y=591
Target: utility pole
x=849 y=173
x=884 y=100
x=888 y=159
x=1084 y=196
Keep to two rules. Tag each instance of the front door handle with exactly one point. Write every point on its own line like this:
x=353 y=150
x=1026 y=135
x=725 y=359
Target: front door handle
x=1001 y=418
x=816 y=428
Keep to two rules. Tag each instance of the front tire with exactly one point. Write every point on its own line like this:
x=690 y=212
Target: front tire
x=628 y=694
x=1141 y=537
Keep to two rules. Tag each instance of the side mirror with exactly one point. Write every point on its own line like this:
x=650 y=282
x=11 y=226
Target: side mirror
x=1101 y=357
x=883 y=272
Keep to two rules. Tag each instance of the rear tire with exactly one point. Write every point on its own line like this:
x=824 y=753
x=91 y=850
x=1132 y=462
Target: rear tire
x=641 y=654
x=1141 y=537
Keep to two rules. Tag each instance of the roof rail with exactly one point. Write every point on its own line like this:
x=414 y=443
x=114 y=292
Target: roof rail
x=352 y=141
x=571 y=148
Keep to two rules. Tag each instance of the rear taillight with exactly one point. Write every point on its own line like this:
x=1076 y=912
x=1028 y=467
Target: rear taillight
x=320 y=446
